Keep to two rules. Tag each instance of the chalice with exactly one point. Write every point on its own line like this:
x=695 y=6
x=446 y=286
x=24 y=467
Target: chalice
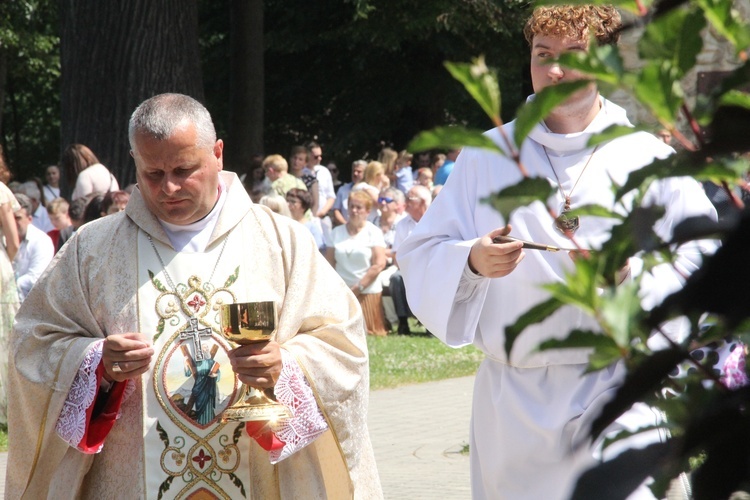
x=243 y=324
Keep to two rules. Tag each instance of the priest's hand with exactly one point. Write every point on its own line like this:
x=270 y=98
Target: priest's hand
x=495 y=260
x=258 y=364
x=126 y=355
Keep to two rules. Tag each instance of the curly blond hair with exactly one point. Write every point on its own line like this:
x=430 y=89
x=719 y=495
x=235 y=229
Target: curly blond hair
x=576 y=22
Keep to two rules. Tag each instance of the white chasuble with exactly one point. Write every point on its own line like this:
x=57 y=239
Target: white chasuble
x=188 y=452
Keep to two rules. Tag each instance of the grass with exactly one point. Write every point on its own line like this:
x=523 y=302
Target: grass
x=401 y=360
x=410 y=359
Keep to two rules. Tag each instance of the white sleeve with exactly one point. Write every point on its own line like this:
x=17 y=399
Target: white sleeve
x=434 y=256
x=41 y=253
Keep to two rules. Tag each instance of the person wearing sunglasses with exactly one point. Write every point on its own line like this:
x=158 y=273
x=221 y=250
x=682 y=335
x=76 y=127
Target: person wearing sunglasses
x=391 y=205
x=327 y=193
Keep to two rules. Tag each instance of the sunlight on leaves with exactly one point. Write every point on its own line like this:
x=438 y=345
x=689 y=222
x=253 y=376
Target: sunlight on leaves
x=529 y=190
x=678 y=165
x=603 y=63
x=613 y=132
x=536 y=314
x=452 y=138
x=675 y=36
x=579 y=288
x=581 y=338
x=595 y=211
x=736 y=98
x=658 y=88
x=481 y=83
x=725 y=19
x=621 y=312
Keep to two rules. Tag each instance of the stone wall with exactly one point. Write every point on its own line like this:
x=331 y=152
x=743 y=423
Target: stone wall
x=717 y=55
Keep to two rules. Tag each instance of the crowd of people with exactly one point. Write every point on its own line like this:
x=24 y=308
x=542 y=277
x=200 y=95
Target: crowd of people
x=188 y=230
x=356 y=224
x=36 y=221
x=128 y=316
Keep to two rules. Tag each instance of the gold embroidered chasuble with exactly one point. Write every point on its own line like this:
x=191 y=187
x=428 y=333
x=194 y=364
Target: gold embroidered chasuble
x=187 y=450
x=168 y=439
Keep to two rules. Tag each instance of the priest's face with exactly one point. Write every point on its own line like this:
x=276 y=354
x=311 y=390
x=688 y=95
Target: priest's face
x=179 y=180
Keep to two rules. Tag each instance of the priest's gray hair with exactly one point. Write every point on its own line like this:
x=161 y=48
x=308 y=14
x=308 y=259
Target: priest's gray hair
x=160 y=115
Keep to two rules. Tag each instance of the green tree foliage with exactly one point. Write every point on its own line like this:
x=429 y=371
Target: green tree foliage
x=357 y=75
x=705 y=417
x=29 y=46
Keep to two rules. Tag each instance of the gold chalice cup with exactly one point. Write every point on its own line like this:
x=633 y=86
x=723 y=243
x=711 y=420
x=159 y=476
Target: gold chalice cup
x=243 y=324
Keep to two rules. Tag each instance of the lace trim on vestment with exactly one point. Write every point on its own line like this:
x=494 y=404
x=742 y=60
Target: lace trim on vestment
x=292 y=390
x=71 y=424
x=307 y=422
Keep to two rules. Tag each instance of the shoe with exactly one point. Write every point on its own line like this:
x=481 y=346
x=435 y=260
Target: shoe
x=403 y=326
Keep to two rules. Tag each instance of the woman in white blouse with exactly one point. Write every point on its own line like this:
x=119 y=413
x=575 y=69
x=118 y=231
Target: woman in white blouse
x=357 y=251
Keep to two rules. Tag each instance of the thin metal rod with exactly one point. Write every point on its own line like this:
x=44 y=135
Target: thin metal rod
x=535 y=246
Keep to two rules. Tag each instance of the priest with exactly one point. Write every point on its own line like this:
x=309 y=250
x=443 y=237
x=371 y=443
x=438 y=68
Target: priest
x=533 y=408
x=110 y=344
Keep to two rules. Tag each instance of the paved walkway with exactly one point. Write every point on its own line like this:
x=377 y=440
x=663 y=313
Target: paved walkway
x=418 y=432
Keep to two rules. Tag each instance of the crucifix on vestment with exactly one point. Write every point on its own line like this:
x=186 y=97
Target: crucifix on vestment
x=195 y=332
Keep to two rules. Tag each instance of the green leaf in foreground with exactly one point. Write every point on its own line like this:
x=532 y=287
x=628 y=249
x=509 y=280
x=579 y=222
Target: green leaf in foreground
x=605 y=348
x=537 y=109
x=613 y=132
x=481 y=83
x=602 y=63
x=706 y=105
x=620 y=476
x=529 y=190
x=736 y=98
x=536 y=314
x=634 y=234
x=642 y=380
x=580 y=288
x=725 y=19
x=578 y=339
x=595 y=211
x=674 y=36
x=452 y=138
x=683 y=164
x=658 y=88
x=622 y=312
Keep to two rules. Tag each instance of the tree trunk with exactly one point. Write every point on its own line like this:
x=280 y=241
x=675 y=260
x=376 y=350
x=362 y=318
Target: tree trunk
x=114 y=55
x=245 y=85
x=3 y=81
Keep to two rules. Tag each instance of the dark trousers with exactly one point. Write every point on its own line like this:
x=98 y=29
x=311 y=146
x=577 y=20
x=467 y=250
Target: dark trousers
x=398 y=294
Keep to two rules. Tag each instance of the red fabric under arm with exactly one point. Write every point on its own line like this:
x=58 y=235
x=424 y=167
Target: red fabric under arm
x=97 y=427
x=264 y=436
